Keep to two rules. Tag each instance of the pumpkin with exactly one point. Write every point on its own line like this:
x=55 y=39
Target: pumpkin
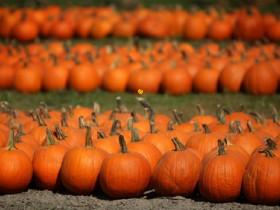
x=25 y=30
x=206 y=80
x=249 y=25
x=124 y=174
x=83 y=78
x=176 y=81
x=13 y=163
x=28 y=79
x=81 y=166
x=262 y=177
x=148 y=150
x=261 y=79
x=195 y=27
x=7 y=74
x=177 y=172
x=47 y=162
x=204 y=142
x=56 y=76
x=115 y=79
x=221 y=175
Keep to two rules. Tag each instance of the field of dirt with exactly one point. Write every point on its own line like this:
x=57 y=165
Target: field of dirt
x=41 y=200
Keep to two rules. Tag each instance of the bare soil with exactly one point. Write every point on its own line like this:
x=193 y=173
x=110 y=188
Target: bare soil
x=41 y=200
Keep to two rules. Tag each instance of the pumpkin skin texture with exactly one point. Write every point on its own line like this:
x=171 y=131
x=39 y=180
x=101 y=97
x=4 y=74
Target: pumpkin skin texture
x=125 y=174
x=80 y=168
x=206 y=80
x=177 y=172
x=261 y=79
x=262 y=178
x=177 y=82
x=83 y=78
x=221 y=175
x=47 y=162
x=232 y=76
x=15 y=169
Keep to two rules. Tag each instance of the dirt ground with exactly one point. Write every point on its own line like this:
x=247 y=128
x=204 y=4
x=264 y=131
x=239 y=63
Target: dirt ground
x=41 y=200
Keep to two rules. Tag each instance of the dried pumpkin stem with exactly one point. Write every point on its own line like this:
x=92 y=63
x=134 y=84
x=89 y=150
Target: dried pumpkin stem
x=152 y=127
x=82 y=123
x=120 y=107
x=178 y=145
x=64 y=117
x=206 y=128
x=11 y=145
x=221 y=147
x=100 y=135
x=49 y=137
x=258 y=117
x=94 y=118
x=134 y=116
x=44 y=110
x=122 y=144
x=135 y=135
x=170 y=125
x=59 y=133
x=40 y=120
x=271 y=144
x=115 y=127
x=88 y=137
x=250 y=126
x=147 y=106
x=200 y=109
x=238 y=127
x=275 y=114
x=268 y=152
x=96 y=108
x=130 y=124
x=177 y=116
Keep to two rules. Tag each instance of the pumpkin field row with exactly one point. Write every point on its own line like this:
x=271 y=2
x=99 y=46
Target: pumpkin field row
x=169 y=67
x=125 y=153
x=27 y=24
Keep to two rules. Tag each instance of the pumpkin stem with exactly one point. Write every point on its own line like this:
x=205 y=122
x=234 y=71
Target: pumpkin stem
x=250 y=126
x=120 y=107
x=101 y=135
x=82 y=123
x=152 y=127
x=19 y=133
x=96 y=108
x=89 y=57
x=58 y=132
x=170 y=125
x=206 y=128
x=148 y=107
x=134 y=116
x=238 y=127
x=177 y=116
x=122 y=144
x=258 y=117
x=226 y=110
x=69 y=110
x=43 y=107
x=268 y=152
x=232 y=127
x=49 y=137
x=130 y=124
x=200 y=109
x=196 y=127
x=115 y=126
x=221 y=147
x=94 y=118
x=275 y=114
x=271 y=144
x=40 y=120
x=11 y=145
x=112 y=115
x=64 y=117
x=178 y=145
x=88 y=137
x=221 y=115
x=135 y=135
